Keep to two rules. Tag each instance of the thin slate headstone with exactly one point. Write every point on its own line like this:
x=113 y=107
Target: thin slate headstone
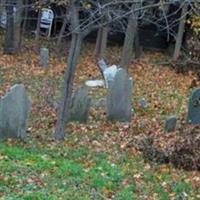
x=80 y=105
x=14 y=109
x=170 y=124
x=44 y=57
x=119 y=104
x=193 y=116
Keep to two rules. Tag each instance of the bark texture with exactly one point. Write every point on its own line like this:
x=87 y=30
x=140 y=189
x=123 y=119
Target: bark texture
x=69 y=75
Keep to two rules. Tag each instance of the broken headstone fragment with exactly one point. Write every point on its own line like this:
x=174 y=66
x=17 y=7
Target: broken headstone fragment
x=94 y=83
x=109 y=75
x=102 y=65
x=170 y=124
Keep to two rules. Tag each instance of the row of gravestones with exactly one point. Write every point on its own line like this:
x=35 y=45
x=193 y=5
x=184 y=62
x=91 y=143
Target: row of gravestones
x=193 y=116
x=119 y=104
x=119 y=100
x=15 y=106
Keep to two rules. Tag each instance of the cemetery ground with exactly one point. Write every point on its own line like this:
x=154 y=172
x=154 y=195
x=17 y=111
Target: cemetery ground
x=99 y=159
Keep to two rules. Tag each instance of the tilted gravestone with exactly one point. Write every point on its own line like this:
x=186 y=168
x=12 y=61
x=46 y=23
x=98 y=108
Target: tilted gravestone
x=14 y=109
x=108 y=72
x=44 y=57
x=119 y=103
x=109 y=75
x=170 y=124
x=80 y=105
x=102 y=65
x=193 y=116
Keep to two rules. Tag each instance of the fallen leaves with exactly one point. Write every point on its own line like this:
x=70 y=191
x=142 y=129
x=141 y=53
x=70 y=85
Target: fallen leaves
x=165 y=91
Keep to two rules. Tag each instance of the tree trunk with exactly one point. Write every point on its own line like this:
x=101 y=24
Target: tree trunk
x=74 y=53
x=137 y=47
x=101 y=43
x=68 y=84
x=37 y=33
x=179 y=37
x=61 y=34
x=127 y=51
x=2 y=2
x=25 y=19
x=17 y=26
x=9 y=36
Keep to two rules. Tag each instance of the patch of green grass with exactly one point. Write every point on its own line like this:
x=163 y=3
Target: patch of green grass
x=63 y=173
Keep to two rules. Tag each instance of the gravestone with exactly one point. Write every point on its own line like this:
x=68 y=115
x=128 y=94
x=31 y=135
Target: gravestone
x=108 y=72
x=119 y=97
x=95 y=83
x=170 y=124
x=80 y=105
x=102 y=65
x=193 y=116
x=44 y=57
x=109 y=75
x=14 y=109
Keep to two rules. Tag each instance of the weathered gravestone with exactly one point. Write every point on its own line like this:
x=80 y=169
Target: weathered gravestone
x=107 y=72
x=102 y=65
x=14 y=109
x=44 y=57
x=80 y=105
x=119 y=102
x=170 y=124
x=109 y=75
x=194 y=108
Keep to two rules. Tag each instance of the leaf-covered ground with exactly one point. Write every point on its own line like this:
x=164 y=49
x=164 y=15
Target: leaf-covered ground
x=96 y=160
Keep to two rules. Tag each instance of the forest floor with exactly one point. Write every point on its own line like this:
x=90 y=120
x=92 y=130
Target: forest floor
x=96 y=160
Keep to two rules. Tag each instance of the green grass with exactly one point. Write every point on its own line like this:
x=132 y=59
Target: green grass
x=67 y=173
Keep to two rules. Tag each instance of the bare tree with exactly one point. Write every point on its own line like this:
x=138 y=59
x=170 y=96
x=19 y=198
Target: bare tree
x=80 y=28
x=181 y=29
x=95 y=19
x=130 y=37
x=69 y=72
x=37 y=32
x=61 y=34
x=101 y=42
x=13 y=26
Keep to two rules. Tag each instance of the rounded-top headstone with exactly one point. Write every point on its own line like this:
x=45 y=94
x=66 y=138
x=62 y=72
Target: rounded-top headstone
x=14 y=109
x=119 y=99
x=170 y=124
